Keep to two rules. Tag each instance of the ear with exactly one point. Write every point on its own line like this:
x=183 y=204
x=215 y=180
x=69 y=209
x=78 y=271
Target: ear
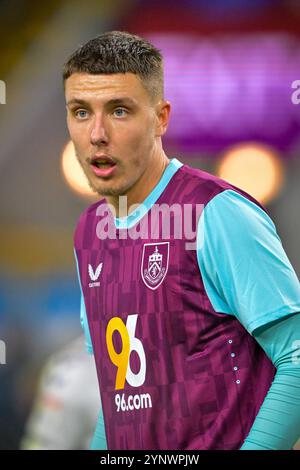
x=163 y=109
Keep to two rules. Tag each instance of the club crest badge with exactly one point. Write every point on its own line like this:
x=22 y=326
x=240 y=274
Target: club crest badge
x=155 y=263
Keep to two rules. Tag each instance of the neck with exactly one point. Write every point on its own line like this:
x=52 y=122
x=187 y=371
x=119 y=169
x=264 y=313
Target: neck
x=143 y=187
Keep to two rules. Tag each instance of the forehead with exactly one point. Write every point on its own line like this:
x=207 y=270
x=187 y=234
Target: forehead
x=104 y=87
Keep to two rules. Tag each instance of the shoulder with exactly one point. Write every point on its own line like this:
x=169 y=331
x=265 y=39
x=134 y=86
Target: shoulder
x=90 y=210
x=205 y=187
x=84 y=218
x=236 y=222
x=237 y=210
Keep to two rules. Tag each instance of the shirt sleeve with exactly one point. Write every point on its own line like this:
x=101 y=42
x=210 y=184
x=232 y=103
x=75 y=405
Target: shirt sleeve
x=245 y=270
x=277 y=424
x=83 y=316
x=99 y=438
x=85 y=327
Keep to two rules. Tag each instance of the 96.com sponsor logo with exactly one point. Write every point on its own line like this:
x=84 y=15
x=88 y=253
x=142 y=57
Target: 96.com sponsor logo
x=132 y=402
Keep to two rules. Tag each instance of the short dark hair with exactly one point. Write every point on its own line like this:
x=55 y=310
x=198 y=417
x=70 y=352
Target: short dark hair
x=119 y=52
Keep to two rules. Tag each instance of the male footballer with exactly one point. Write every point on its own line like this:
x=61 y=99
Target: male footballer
x=196 y=347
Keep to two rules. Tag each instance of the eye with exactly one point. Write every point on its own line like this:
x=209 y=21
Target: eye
x=80 y=113
x=120 y=112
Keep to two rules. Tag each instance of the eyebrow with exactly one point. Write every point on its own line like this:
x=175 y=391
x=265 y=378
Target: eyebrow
x=112 y=102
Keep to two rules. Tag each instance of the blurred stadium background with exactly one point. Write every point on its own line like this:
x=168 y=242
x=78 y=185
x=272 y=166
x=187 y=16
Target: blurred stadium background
x=229 y=69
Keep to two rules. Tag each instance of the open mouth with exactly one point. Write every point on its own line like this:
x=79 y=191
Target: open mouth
x=103 y=166
x=99 y=163
x=102 y=161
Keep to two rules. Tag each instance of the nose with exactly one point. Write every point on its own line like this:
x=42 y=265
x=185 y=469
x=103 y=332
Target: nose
x=99 y=134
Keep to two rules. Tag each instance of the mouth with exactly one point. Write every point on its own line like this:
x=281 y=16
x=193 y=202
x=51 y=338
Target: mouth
x=102 y=165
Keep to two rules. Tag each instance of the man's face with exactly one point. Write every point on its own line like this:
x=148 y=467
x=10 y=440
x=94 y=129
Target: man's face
x=114 y=126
